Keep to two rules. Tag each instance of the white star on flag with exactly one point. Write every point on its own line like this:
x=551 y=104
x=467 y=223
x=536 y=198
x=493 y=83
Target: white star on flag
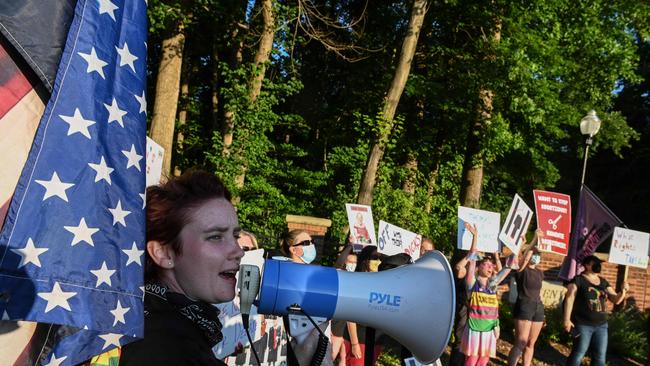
x=134 y=255
x=54 y=187
x=103 y=171
x=56 y=361
x=56 y=298
x=126 y=57
x=94 y=62
x=143 y=102
x=134 y=158
x=107 y=7
x=82 y=233
x=119 y=214
x=103 y=274
x=115 y=114
x=78 y=123
x=118 y=313
x=111 y=339
x=5 y=316
x=30 y=254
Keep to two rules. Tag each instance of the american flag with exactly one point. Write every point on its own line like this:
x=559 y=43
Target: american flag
x=72 y=247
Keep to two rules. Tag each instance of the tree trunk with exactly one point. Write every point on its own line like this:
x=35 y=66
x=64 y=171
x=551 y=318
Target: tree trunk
x=229 y=116
x=411 y=167
x=182 y=113
x=472 y=181
x=259 y=69
x=391 y=101
x=431 y=187
x=166 y=99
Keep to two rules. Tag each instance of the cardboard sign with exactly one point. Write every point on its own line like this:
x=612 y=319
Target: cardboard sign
x=629 y=248
x=487 y=226
x=362 y=228
x=394 y=240
x=154 y=158
x=516 y=224
x=554 y=219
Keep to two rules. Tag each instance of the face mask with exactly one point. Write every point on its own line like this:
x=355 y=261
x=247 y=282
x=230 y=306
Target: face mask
x=596 y=268
x=308 y=253
x=350 y=267
x=535 y=259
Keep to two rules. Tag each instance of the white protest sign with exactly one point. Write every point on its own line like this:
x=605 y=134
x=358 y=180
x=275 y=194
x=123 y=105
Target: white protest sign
x=230 y=317
x=362 y=228
x=412 y=361
x=154 y=162
x=394 y=240
x=487 y=227
x=629 y=248
x=516 y=224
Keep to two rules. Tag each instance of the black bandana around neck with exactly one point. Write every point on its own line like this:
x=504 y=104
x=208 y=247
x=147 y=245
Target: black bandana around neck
x=204 y=315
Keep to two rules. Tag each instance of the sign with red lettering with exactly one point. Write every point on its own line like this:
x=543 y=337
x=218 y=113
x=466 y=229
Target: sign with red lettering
x=394 y=240
x=629 y=247
x=554 y=219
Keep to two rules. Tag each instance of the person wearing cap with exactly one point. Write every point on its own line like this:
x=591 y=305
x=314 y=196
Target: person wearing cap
x=585 y=312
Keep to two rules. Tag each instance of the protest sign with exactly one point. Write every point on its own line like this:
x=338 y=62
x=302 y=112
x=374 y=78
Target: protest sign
x=362 y=228
x=412 y=361
x=155 y=155
x=629 y=247
x=487 y=225
x=394 y=240
x=554 y=219
x=516 y=224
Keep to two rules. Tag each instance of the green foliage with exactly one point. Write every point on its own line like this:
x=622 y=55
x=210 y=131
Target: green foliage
x=303 y=144
x=628 y=335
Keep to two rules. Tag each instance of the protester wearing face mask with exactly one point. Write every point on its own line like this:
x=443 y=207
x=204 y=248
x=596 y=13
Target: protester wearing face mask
x=585 y=312
x=299 y=247
x=529 y=309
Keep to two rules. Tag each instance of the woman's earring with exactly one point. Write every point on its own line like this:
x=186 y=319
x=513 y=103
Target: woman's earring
x=169 y=263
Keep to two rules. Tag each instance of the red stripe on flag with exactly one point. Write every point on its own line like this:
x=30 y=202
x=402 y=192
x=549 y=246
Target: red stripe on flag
x=13 y=83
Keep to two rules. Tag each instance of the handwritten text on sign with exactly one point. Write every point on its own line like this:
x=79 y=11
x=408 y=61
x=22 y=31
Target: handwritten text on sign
x=554 y=219
x=487 y=225
x=394 y=240
x=629 y=247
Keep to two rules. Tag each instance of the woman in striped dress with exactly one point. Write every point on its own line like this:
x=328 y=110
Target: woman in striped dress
x=479 y=339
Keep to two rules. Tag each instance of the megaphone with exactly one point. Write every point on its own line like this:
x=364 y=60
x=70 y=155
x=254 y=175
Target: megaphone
x=414 y=304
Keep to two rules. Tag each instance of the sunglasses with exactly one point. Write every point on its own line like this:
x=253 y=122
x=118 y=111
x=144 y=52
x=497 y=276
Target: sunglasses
x=303 y=243
x=246 y=249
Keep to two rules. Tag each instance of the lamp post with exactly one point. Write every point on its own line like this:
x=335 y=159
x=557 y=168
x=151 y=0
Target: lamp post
x=589 y=126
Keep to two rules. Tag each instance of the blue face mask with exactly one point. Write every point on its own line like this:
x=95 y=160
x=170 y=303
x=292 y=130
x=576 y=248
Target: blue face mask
x=308 y=253
x=535 y=259
x=350 y=267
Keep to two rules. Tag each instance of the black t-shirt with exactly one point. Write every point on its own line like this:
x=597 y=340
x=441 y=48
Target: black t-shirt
x=529 y=284
x=590 y=306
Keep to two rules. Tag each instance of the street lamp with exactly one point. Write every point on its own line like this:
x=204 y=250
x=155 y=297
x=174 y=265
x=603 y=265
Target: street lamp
x=589 y=126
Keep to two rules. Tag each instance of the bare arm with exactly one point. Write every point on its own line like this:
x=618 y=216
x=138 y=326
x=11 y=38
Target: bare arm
x=498 y=261
x=471 y=270
x=617 y=298
x=569 y=299
x=354 y=340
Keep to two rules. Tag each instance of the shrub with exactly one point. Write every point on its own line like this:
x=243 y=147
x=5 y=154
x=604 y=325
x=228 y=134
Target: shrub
x=628 y=334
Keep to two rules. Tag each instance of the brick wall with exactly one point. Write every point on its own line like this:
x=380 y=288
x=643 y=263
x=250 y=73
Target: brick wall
x=315 y=226
x=636 y=277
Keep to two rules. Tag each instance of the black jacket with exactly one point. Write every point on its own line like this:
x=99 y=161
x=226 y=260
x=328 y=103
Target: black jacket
x=170 y=338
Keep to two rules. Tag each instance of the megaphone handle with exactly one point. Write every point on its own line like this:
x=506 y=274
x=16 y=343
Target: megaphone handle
x=298 y=309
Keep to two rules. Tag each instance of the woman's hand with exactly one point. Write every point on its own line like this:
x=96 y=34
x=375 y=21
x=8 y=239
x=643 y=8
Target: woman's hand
x=471 y=228
x=356 y=351
x=568 y=325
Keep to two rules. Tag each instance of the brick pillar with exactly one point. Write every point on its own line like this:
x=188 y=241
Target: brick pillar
x=315 y=226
